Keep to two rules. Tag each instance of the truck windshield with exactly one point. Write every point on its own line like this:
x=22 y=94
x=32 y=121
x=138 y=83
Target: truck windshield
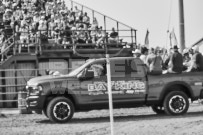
x=79 y=69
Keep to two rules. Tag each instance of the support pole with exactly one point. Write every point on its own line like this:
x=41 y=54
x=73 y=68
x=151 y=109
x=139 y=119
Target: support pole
x=182 y=25
x=110 y=92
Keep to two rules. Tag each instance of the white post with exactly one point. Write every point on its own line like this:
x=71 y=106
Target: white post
x=110 y=92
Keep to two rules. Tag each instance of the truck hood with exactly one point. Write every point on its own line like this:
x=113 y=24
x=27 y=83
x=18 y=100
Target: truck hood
x=48 y=78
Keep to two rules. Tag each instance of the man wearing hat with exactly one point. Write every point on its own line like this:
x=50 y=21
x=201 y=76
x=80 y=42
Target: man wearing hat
x=98 y=70
x=136 y=53
x=176 y=62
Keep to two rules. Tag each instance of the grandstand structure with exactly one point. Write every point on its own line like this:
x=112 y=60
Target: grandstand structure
x=57 y=49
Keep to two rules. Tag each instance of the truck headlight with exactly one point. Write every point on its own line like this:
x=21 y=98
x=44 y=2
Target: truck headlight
x=35 y=90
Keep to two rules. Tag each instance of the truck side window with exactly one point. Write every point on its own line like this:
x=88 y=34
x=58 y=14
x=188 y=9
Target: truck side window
x=127 y=68
x=122 y=68
x=140 y=68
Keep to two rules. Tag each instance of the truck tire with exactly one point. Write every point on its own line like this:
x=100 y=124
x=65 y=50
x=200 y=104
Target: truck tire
x=60 y=110
x=44 y=111
x=176 y=103
x=158 y=109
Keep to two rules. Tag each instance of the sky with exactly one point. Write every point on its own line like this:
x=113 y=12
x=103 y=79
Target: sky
x=157 y=16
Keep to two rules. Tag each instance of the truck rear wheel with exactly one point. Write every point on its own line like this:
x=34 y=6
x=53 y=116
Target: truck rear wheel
x=158 y=109
x=176 y=103
x=60 y=110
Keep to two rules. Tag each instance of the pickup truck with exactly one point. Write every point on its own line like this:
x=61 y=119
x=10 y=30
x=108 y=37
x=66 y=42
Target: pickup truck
x=85 y=88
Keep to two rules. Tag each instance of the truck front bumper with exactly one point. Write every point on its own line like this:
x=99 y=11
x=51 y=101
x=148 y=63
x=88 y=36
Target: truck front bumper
x=35 y=103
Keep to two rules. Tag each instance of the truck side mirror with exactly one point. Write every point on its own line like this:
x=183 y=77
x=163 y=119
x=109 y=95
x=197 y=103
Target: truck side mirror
x=85 y=75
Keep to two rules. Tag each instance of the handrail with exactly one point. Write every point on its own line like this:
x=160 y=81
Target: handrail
x=103 y=15
x=7 y=46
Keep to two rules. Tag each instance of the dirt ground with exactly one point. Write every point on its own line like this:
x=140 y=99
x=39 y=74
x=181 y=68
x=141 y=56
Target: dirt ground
x=136 y=121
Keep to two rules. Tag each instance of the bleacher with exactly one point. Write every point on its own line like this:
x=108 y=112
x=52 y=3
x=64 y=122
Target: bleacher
x=43 y=42
x=48 y=48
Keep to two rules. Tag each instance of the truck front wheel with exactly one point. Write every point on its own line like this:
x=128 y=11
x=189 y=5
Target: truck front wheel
x=60 y=110
x=176 y=103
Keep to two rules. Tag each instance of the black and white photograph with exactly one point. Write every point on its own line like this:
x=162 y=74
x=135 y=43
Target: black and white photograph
x=101 y=67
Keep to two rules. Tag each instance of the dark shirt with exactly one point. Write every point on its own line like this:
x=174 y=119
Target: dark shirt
x=113 y=34
x=198 y=59
x=177 y=60
x=154 y=62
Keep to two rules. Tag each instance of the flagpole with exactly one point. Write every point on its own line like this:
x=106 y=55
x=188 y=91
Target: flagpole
x=110 y=93
x=108 y=68
x=182 y=25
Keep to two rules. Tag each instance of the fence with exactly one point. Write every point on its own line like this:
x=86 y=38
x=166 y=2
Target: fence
x=13 y=82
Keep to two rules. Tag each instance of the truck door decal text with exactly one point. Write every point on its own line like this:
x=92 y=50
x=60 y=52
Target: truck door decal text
x=118 y=87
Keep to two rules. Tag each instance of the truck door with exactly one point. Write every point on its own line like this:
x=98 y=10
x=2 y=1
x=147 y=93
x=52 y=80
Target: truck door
x=94 y=91
x=128 y=80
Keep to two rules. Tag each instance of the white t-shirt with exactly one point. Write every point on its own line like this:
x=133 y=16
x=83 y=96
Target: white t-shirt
x=144 y=58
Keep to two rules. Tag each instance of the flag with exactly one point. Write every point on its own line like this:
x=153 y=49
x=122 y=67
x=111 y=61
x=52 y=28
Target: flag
x=146 y=41
x=173 y=39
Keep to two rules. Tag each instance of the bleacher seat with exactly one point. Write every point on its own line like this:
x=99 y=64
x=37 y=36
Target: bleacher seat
x=8 y=31
x=1 y=26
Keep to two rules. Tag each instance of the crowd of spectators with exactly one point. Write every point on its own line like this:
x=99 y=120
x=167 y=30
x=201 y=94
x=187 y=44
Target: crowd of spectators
x=159 y=61
x=51 y=19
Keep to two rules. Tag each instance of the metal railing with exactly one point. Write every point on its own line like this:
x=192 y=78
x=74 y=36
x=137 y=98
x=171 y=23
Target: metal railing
x=42 y=42
x=126 y=35
x=9 y=91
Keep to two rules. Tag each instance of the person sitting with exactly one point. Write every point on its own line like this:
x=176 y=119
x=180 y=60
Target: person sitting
x=166 y=59
x=144 y=53
x=186 y=59
x=7 y=17
x=43 y=26
x=51 y=27
x=98 y=70
x=67 y=36
x=196 y=61
x=93 y=34
x=95 y=22
x=113 y=37
x=176 y=62
x=81 y=36
x=154 y=62
x=23 y=36
x=86 y=21
x=136 y=53
x=100 y=36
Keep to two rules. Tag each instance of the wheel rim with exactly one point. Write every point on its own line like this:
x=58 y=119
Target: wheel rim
x=177 y=104
x=61 y=110
x=159 y=108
